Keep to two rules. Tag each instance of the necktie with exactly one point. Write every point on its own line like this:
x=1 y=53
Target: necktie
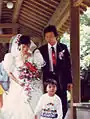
x=53 y=58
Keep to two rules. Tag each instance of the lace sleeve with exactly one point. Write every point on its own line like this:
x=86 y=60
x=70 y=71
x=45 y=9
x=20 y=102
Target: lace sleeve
x=38 y=59
x=9 y=62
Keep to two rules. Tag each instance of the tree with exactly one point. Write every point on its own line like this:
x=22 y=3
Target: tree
x=85 y=18
x=85 y=40
x=84 y=53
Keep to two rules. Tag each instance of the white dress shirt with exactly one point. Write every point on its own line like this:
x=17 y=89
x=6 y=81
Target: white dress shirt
x=50 y=55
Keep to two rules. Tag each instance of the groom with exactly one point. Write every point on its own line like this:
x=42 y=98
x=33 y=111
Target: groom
x=58 y=63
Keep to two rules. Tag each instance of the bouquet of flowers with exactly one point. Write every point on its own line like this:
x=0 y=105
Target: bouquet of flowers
x=27 y=74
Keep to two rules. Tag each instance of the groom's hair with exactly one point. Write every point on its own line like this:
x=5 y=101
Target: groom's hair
x=51 y=28
x=24 y=39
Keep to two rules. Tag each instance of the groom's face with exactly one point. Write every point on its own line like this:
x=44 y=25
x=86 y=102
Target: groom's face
x=50 y=38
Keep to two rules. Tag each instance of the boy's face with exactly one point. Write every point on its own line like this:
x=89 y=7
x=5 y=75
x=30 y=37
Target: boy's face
x=51 y=89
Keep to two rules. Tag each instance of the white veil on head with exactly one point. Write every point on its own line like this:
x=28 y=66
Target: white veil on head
x=14 y=45
x=37 y=57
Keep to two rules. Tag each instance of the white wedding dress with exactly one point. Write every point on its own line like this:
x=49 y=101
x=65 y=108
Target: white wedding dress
x=16 y=105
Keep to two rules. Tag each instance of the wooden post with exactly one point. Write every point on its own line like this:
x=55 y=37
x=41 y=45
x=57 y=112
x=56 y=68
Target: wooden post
x=75 y=53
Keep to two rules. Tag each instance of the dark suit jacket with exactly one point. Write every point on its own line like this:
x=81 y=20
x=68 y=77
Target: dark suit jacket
x=63 y=66
x=62 y=74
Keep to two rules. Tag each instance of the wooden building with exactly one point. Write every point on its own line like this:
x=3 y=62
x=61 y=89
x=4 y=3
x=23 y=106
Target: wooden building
x=32 y=16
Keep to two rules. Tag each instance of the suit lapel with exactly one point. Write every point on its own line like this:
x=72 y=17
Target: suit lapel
x=59 y=62
x=59 y=49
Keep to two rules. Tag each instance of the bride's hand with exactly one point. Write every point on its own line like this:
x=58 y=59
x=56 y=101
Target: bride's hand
x=25 y=57
x=15 y=79
x=21 y=84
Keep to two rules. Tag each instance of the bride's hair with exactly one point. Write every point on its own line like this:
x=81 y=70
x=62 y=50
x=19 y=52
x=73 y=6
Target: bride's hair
x=24 y=39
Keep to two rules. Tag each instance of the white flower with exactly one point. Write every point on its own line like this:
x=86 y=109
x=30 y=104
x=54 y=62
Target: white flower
x=61 y=54
x=38 y=59
x=9 y=62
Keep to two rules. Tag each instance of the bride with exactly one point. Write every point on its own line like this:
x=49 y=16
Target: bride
x=23 y=68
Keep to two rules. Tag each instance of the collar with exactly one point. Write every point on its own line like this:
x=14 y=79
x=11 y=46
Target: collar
x=49 y=46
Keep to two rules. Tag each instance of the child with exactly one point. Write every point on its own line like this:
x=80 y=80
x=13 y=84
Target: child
x=4 y=82
x=49 y=105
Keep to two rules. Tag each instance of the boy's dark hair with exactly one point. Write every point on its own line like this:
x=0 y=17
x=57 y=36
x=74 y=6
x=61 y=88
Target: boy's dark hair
x=24 y=39
x=51 y=28
x=50 y=81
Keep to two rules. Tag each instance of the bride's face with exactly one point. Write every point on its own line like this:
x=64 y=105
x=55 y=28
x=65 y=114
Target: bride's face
x=24 y=48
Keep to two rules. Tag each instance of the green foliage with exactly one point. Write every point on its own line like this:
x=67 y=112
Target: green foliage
x=66 y=40
x=85 y=18
x=85 y=62
x=84 y=40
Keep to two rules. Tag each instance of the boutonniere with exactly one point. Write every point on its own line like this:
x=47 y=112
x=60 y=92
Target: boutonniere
x=61 y=54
